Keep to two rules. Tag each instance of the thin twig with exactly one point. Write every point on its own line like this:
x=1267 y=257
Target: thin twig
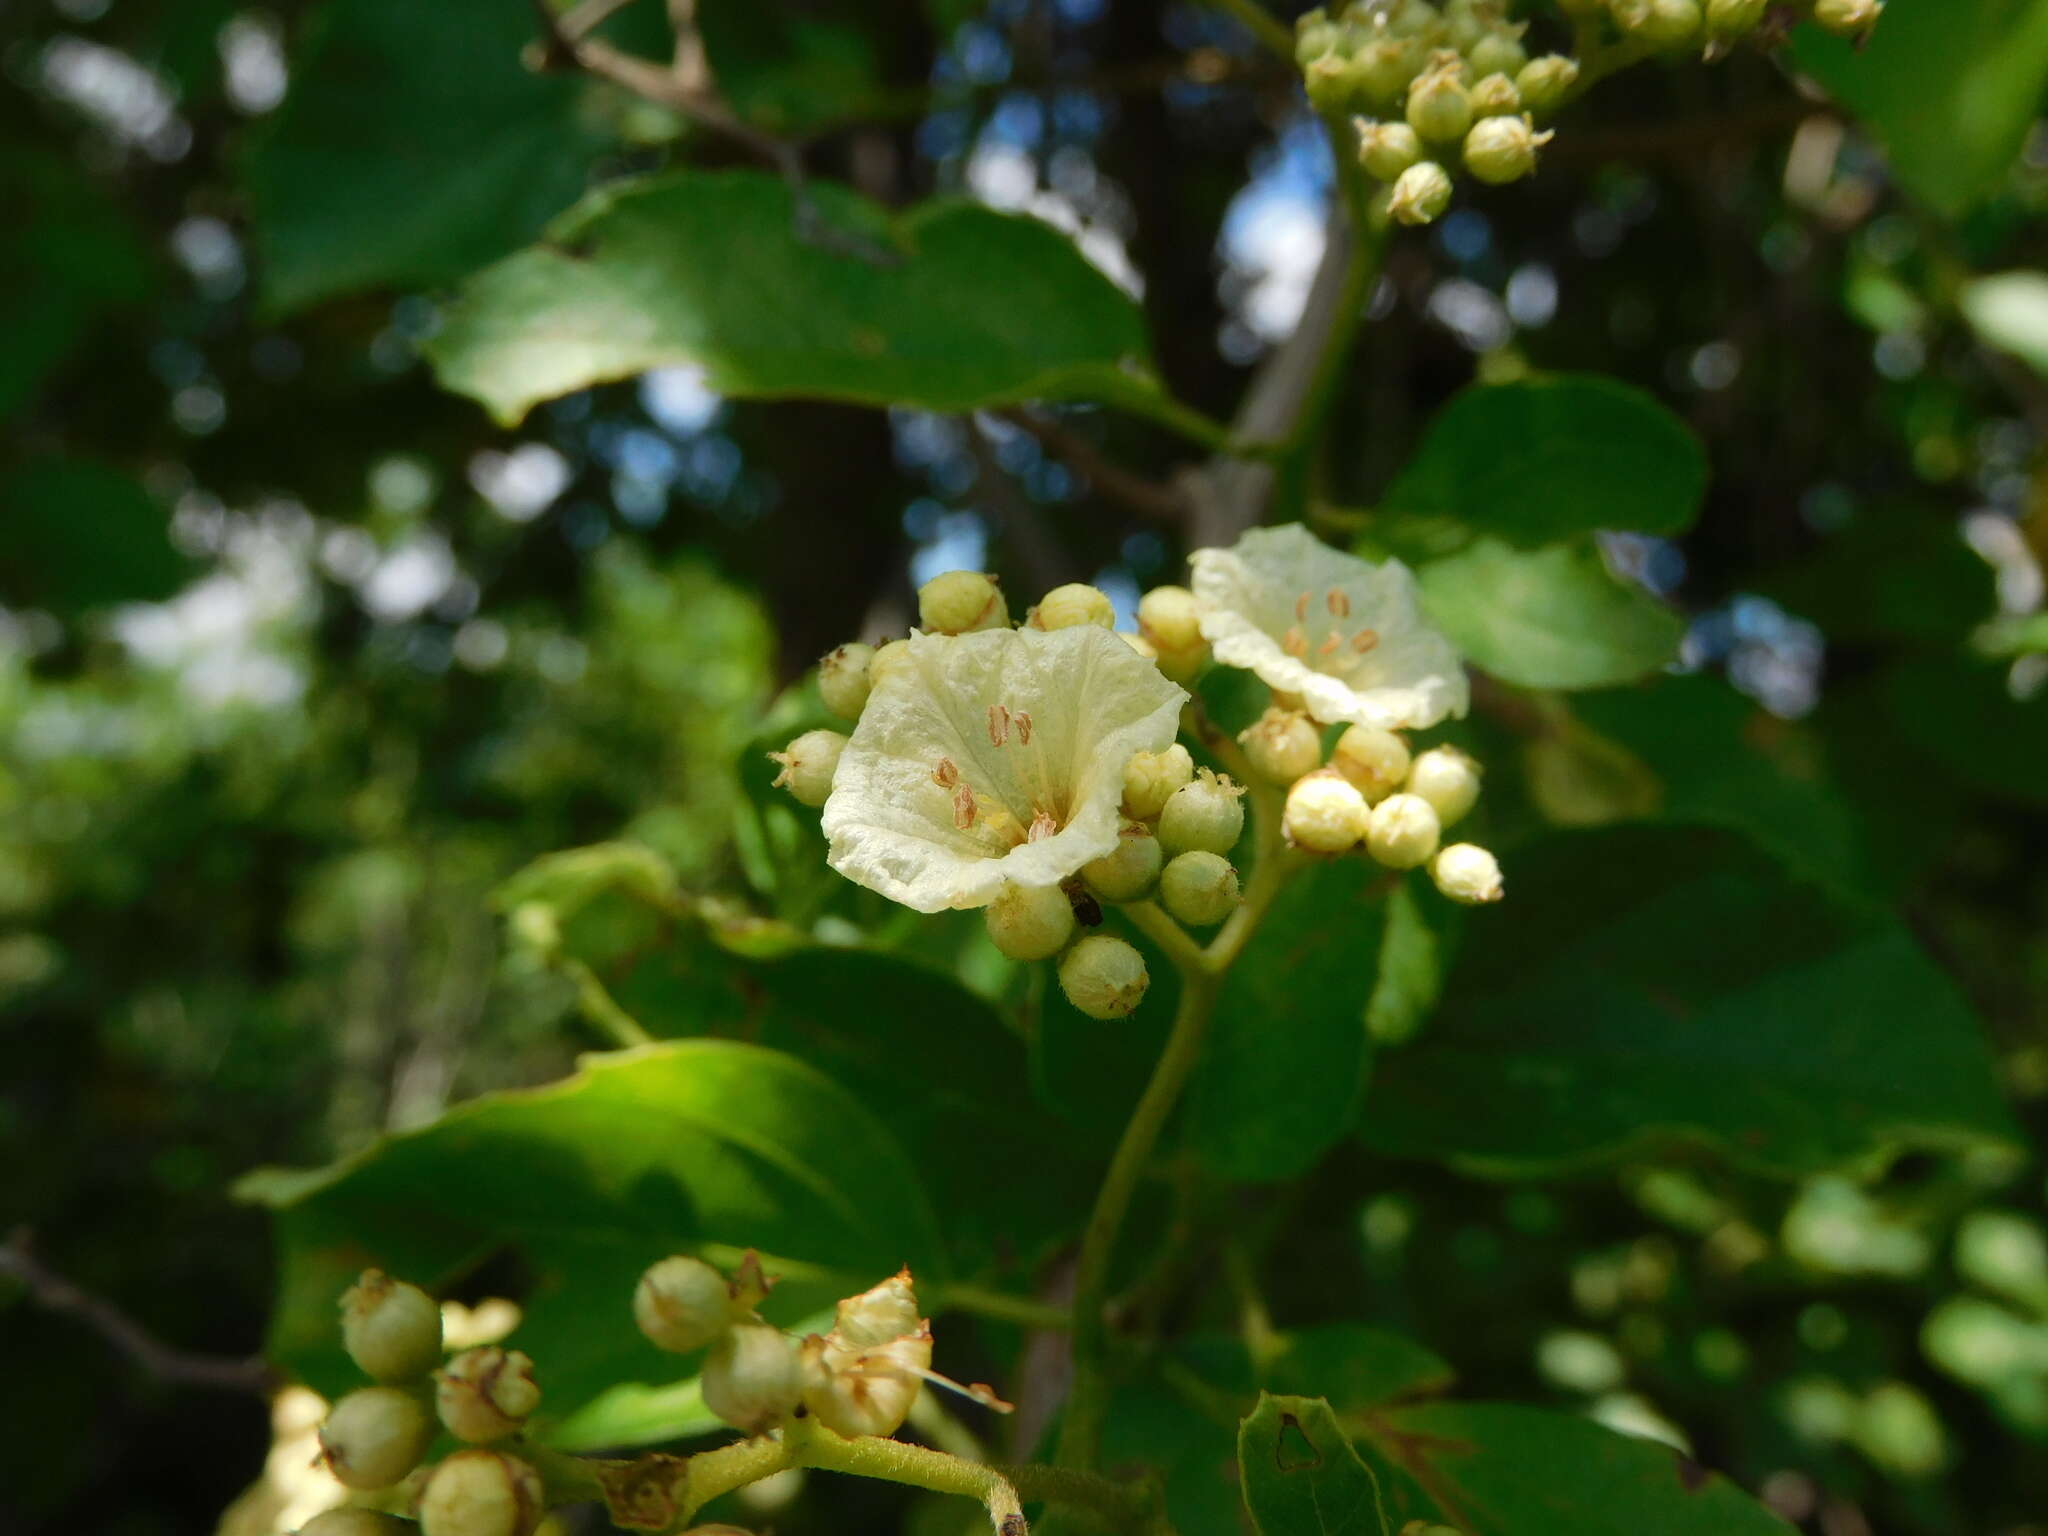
x=1146 y=497
x=54 y=1293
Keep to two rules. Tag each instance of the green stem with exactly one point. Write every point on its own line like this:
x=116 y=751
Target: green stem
x=601 y=1009
x=915 y=1466
x=1271 y=32
x=1150 y=400
x=1025 y=1311
x=1152 y=920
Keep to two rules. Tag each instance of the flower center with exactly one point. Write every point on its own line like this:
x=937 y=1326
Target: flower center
x=977 y=809
x=1336 y=650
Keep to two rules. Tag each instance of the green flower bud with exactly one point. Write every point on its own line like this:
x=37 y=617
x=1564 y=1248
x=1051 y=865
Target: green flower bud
x=1464 y=25
x=392 y=1330
x=374 y=1436
x=1152 y=777
x=1030 y=922
x=887 y=658
x=1414 y=18
x=1104 y=977
x=1328 y=83
x=1448 y=780
x=1439 y=106
x=807 y=766
x=482 y=1493
x=1283 y=745
x=1381 y=71
x=1547 y=81
x=1387 y=149
x=880 y=1314
x=1374 y=760
x=1314 y=36
x=1499 y=52
x=1325 y=813
x=486 y=1393
x=1468 y=874
x=352 y=1520
x=1168 y=617
x=1130 y=872
x=1199 y=889
x=1402 y=831
x=1499 y=150
x=683 y=1304
x=1728 y=20
x=1205 y=814
x=752 y=1378
x=843 y=679
x=1661 y=23
x=960 y=602
x=1850 y=18
x=1421 y=194
x=1495 y=96
x=1075 y=603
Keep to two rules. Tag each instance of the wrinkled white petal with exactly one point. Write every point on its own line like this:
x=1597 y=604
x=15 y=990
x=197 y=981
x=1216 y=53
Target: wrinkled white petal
x=1345 y=634
x=1032 y=725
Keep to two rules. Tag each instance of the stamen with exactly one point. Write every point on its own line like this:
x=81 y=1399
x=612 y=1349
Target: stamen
x=998 y=724
x=1365 y=640
x=963 y=808
x=1340 y=604
x=1330 y=643
x=1294 y=642
x=946 y=775
x=1023 y=728
x=1042 y=827
x=1301 y=608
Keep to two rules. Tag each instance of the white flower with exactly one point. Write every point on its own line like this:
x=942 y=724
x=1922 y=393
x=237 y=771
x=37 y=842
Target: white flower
x=994 y=758
x=1346 y=636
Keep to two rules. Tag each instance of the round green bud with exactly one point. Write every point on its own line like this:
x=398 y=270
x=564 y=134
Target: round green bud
x=1129 y=873
x=752 y=1378
x=1030 y=922
x=485 y=1393
x=1661 y=23
x=1205 y=815
x=1468 y=874
x=1414 y=18
x=1448 y=780
x=1387 y=149
x=1499 y=150
x=1170 y=619
x=1074 y=604
x=1495 y=96
x=1381 y=71
x=1729 y=20
x=482 y=1493
x=1850 y=18
x=351 y=1520
x=1199 y=889
x=808 y=764
x=1104 y=977
x=390 y=1329
x=1439 y=106
x=1152 y=777
x=844 y=679
x=683 y=1304
x=1314 y=36
x=1328 y=83
x=1374 y=760
x=886 y=660
x=1402 y=831
x=1464 y=26
x=1325 y=813
x=374 y=1436
x=1421 y=194
x=961 y=602
x=1283 y=745
x=1547 y=81
x=1499 y=52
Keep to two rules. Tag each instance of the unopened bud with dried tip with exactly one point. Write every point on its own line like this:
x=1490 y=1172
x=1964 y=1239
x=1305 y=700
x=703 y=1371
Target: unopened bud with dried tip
x=1439 y=106
x=1207 y=814
x=1850 y=18
x=391 y=1330
x=1325 y=813
x=1030 y=922
x=1500 y=150
x=751 y=1377
x=843 y=679
x=482 y=1493
x=683 y=1304
x=1495 y=96
x=806 y=766
x=374 y=1436
x=853 y=1390
x=1420 y=194
x=486 y=1393
x=1072 y=605
x=1104 y=977
x=1402 y=831
x=961 y=602
x=1283 y=745
x=1545 y=82
x=1499 y=52
x=1661 y=23
x=1468 y=874
x=1387 y=149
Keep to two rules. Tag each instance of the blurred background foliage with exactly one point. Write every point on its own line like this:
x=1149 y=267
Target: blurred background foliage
x=302 y=658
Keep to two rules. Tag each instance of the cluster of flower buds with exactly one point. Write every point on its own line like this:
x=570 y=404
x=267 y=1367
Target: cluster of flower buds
x=1433 y=85
x=375 y=1438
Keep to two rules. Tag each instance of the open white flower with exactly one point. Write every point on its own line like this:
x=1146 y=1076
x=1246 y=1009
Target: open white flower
x=994 y=758
x=1347 y=636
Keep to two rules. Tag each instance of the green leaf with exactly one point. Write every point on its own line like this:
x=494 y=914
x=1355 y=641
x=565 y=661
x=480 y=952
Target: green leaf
x=1496 y=1469
x=1300 y=1475
x=1643 y=987
x=1544 y=459
x=1356 y=1367
x=1895 y=573
x=1950 y=86
x=1284 y=1069
x=1412 y=961
x=1548 y=618
x=639 y=1154
x=2009 y=311
x=713 y=269
x=786 y=67
x=68 y=258
x=412 y=148
x=83 y=535
x=1965 y=718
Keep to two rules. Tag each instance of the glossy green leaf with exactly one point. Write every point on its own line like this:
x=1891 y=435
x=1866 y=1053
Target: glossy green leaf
x=83 y=535
x=1496 y=1469
x=639 y=1154
x=1548 y=618
x=1284 y=1069
x=1300 y=1475
x=1950 y=87
x=412 y=148
x=1643 y=987
x=713 y=269
x=1548 y=458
